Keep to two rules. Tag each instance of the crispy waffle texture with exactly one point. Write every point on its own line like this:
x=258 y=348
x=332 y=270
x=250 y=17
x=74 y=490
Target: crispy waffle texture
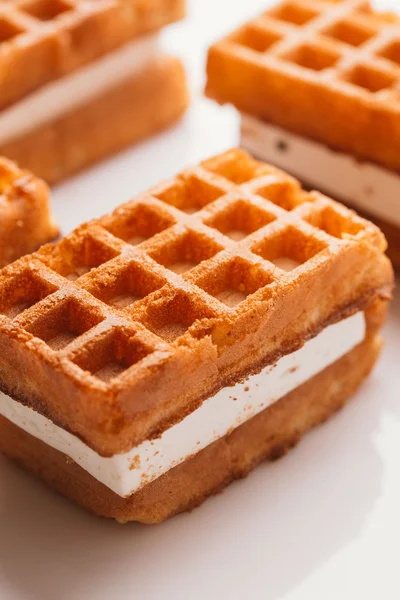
x=56 y=37
x=25 y=217
x=130 y=322
x=269 y=435
x=139 y=107
x=326 y=69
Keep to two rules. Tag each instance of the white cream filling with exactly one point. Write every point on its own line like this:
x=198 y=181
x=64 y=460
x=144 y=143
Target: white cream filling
x=78 y=88
x=366 y=186
x=229 y=408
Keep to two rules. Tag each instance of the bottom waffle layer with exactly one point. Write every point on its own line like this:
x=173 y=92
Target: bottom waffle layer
x=369 y=189
x=267 y=436
x=141 y=106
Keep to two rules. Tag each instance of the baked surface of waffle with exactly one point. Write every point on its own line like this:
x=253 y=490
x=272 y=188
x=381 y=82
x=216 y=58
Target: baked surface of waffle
x=25 y=218
x=326 y=69
x=269 y=435
x=127 y=324
x=56 y=37
x=142 y=105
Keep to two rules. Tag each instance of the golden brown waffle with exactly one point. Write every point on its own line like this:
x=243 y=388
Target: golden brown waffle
x=55 y=37
x=142 y=105
x=127 y=324
x=326 y=69
x=25 y=218
x=269 y=435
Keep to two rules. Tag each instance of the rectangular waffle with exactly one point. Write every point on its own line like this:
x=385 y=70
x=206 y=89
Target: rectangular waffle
x=57 y=37
x=95 y=62
x=134 y=323
x=132 y=111
x=326 y=72
x=25 y=218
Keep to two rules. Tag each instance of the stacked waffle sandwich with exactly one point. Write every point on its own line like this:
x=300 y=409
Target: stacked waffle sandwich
x=25 y=218
x=169 y=347
x=318 y=87
x=80 y=79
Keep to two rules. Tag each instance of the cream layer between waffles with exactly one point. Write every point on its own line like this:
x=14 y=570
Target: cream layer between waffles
x=169 y=347
x=321 y=78
x=69 y=93
x=126 y=473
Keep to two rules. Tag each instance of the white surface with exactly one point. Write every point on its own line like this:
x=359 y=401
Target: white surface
x=69 y=93
x=229 y=408
x=367 y=186
x=321 y=524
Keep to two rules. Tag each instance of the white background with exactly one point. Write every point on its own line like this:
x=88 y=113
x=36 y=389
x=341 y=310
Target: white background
x=321 y=524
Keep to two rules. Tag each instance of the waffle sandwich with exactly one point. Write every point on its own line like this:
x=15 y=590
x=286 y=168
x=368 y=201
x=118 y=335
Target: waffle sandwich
x=317 y=83
x=25 y=218
x=171 y=346
x=96 y=80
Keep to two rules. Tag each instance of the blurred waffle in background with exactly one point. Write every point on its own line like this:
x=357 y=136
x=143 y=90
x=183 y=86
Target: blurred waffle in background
x=82 y=79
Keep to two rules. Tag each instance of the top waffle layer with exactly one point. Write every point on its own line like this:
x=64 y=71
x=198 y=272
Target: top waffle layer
x=326 y=69
x=132 y=320
x=54 y=37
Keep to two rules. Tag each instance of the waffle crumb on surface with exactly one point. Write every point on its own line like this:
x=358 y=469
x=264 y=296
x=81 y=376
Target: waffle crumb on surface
x=325 y=69
x=25 y=218
x=139 y=316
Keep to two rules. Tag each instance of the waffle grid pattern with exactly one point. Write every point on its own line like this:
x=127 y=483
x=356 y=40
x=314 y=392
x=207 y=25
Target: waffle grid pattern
x=343 y=43
x=57 y=36
x=127 y=289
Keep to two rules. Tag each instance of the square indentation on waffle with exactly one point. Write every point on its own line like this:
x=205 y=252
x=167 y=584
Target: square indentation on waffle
x=234 y=280
x=369 y=77
x=316 y=57
x=78 y=254
x=237 y=167
x=350 y=32
x=126 y=284
x=335 y=220
x=46 y=10
x=63 y=322
x=112 y=353
x=240 y=218
x=295 y=13
x=391 y=52
x=138 y=221
x=289 y=247
x=9 y=29
x=183 y=250
x=281 y=190
x=256 y=36
x=22 y=291
x=173 y=314
x=190 y=192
